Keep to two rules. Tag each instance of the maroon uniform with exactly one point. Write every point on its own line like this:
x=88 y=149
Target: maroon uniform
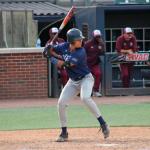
x=94 y=50
x=57 y=41
x=121 y=43
x=63 y=74
x=126 y=68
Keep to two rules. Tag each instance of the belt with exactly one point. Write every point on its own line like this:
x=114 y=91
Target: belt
x=78 y=78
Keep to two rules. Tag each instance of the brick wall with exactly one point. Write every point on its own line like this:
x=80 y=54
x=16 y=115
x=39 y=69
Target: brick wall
x=23 y=75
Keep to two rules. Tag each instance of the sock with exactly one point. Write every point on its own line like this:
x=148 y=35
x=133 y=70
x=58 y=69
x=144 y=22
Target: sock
x=101 y=120
x=64 y=130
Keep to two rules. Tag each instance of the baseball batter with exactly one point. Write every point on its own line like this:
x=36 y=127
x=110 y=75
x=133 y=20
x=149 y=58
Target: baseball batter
x=73 y=57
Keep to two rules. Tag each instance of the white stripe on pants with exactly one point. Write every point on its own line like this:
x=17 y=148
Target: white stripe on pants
x=70 y=90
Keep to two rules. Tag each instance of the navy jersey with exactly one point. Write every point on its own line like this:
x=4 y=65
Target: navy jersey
x=78 y=58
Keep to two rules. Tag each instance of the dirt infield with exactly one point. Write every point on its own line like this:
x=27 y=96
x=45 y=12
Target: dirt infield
x=14 y=103
x=122 y=138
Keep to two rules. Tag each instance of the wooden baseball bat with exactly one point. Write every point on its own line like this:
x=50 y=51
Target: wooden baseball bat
x=64 y=23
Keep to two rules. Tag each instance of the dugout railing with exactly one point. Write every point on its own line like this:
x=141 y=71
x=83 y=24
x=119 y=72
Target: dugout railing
x=112 y=84
x=111 y=79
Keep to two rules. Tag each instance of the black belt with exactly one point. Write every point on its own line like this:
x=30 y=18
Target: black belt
x=78 y=78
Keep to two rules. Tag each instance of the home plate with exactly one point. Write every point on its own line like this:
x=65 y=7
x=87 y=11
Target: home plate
x=107 y=145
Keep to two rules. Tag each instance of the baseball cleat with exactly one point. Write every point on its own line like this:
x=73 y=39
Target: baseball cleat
x=105 y=130
x=62 y=137
x=97 y=94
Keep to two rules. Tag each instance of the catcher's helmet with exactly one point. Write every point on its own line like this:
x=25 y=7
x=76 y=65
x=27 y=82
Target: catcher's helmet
x=74 y=34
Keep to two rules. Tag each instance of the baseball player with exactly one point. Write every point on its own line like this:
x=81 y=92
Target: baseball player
x=126 y=44
x=52 y=33
x=94 y=49
x=62 y=71
x=73 y=57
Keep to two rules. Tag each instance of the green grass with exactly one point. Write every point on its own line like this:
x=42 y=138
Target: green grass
x=78 y=116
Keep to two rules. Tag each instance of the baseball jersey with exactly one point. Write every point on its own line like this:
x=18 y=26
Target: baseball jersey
x=121 y=43
x=77 y=57
x=93 y=51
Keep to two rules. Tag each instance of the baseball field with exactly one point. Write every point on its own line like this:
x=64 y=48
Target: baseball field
x=33 y=124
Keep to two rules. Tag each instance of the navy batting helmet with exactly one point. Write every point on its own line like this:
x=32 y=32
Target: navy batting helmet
x=74 y=34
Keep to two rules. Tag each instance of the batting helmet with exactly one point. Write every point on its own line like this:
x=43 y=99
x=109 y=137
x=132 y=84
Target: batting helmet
x=74 y=34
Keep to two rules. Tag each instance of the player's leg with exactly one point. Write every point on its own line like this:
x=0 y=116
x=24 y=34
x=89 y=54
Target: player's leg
x=68 y=92
x=97 y=74
x=86 y=89
x=63 y=76
x=130 y=71
x=125 y=75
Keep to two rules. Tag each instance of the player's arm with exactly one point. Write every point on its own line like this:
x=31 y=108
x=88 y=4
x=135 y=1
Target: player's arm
x=126 y=51
x=119 y=48
x=131 y=51
x=49 y=52
x=54 y=53
x=61 y=63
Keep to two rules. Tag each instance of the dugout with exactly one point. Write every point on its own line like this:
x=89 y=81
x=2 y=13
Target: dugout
x=52 y=17
x=46 y=22
x=54 y=82
x=111 y=19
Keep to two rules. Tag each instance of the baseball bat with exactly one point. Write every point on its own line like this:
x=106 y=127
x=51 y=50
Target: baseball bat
x=64 y=23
